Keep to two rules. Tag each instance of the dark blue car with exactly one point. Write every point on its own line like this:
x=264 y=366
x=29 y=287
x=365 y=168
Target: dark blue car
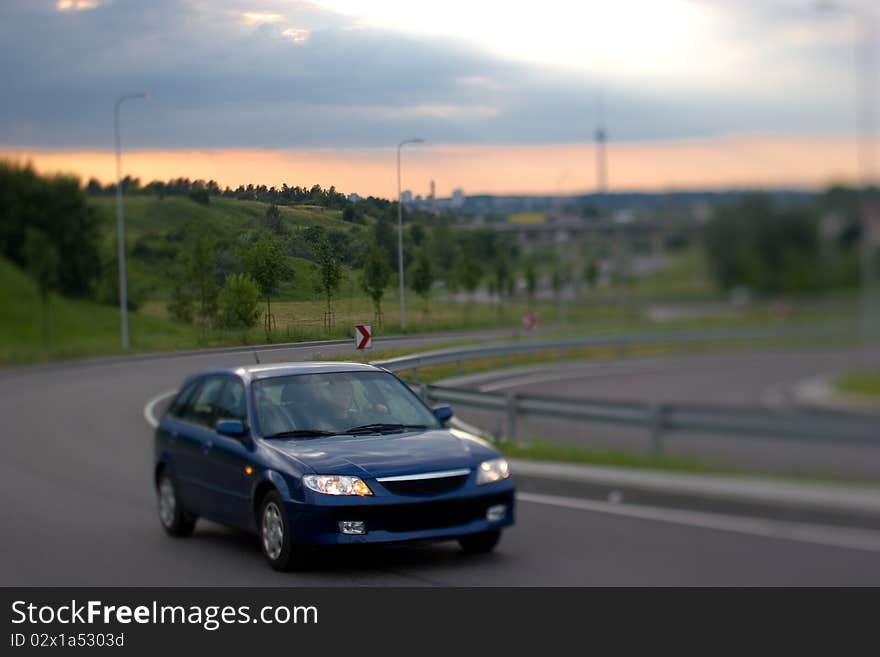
x=324 y=454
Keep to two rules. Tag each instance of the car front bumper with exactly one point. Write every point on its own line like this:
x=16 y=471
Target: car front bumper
x=398 y=519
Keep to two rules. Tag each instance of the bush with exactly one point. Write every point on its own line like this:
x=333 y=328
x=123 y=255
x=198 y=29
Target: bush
x=766 y=248
x=239 y=302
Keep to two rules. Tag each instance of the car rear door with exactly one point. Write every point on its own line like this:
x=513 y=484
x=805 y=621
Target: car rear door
x=168 y=440
x=194 y=440
x=228 y=458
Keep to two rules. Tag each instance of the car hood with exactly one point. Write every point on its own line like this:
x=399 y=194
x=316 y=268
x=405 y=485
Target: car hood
x=382 y=455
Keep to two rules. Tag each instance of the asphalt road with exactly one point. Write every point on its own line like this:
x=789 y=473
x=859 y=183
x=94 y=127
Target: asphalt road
x=79 y=509
x=768 y=378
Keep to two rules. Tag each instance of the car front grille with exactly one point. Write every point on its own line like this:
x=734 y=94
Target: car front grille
x=425 y=486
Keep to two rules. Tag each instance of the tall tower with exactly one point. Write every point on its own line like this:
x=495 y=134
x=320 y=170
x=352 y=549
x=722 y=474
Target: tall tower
x=601 y=156
x=432 y=197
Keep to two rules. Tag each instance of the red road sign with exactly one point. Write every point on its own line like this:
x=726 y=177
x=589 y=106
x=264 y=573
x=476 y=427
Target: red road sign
x=363 y=336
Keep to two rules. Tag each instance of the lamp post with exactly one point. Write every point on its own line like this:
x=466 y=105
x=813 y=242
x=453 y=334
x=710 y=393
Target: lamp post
x=120 y=220
x=864 y=20
x=414 y=140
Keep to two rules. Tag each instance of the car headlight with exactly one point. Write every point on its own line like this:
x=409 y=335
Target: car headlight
x=337 y=485
x=492 y=470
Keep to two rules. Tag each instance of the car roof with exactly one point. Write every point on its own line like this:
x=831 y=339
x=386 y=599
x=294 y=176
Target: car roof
x=267 y=371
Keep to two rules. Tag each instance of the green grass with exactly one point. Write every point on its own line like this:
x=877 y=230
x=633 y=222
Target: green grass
x=686 y=278
x=860 y=383
x=75 y=328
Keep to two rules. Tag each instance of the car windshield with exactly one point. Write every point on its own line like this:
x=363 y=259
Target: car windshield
x=315 y=405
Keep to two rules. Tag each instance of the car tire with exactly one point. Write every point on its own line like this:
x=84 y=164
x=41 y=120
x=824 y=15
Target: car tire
x=275 y=539
x=175 y=519
x=480 y=543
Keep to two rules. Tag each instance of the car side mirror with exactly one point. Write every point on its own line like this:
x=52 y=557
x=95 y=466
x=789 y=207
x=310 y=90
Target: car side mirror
x=231 y=428
x=443 y=413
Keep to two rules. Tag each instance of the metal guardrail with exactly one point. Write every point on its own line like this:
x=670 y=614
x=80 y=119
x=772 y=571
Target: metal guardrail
x=620 y=342
x=657 y=419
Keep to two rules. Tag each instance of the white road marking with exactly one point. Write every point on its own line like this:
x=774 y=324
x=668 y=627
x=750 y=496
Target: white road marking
x=834 y=536
x=150 y=408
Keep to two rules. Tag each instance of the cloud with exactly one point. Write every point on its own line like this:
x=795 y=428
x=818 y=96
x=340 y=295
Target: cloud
x=75 y=5
x=296 y=34
x=240 y=74
x=258 y=18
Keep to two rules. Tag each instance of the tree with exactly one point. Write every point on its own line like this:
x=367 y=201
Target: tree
x=329 y=270
x=59 y=208
x=239 y=302
x=771 y=249
x=383 y=235
x=42 y=259
x=560 y=277
x=107 y=286
x=272 y=220
x=421 y=278
x=195 y=283
x=531 y=275
x=469 y=268
x=265 y=262
x=591 y=272
x=502 y=274
x=376 y=276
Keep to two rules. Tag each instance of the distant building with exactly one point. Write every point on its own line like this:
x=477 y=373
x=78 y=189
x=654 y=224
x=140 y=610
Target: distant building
x=354 y=198
x=457 y=198
x=406 y=196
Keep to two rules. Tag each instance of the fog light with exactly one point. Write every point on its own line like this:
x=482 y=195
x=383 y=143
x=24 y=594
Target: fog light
x=496 y=512
x=353 y=527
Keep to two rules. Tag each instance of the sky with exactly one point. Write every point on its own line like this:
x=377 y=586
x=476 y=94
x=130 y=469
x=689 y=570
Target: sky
x=507 y=95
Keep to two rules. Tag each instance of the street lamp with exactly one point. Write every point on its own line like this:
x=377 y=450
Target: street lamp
x=865 y=54
x=414 y=140
x=120 y=220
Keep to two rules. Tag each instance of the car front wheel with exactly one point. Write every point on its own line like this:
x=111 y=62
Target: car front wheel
x=480 y=543
x=174 y=518
x=275 y=536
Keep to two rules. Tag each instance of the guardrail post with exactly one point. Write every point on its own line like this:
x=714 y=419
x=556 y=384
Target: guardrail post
x=656 y=427
x=511 y=418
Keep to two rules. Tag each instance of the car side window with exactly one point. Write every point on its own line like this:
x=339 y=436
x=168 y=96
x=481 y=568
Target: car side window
x=179 y=405
x=231 y=404
x=202 y=408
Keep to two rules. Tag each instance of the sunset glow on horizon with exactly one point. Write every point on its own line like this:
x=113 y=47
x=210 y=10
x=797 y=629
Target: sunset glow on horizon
x=725 y=163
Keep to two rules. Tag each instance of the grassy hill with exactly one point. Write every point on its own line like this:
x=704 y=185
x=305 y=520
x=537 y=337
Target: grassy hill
x=154 y=228
x=150 y=215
